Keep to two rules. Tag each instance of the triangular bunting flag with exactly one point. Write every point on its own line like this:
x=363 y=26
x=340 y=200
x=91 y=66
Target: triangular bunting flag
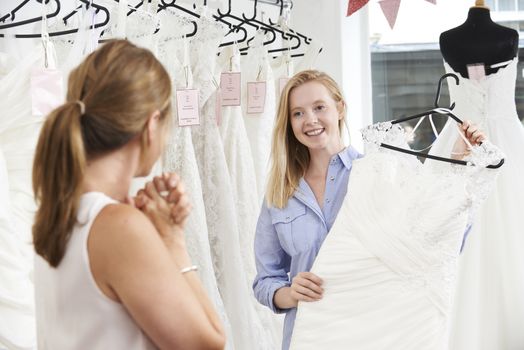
x=390 y=9
x=355 y=5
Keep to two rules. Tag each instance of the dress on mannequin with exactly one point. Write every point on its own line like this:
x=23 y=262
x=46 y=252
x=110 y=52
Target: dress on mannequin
x=488 y=304
x=221 y=214
x=389 y=262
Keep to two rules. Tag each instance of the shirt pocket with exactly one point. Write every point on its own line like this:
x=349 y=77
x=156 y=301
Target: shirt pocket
x=295 y=229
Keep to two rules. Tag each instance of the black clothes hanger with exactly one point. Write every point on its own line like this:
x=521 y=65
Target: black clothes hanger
x=13 y=12
x=70 y=31
x=240 y=26
x=164 y=5
x=228 y=14
x=439 y=111
x=306 y=39
x=235 y=29
x=87 y=3
x=271 y=29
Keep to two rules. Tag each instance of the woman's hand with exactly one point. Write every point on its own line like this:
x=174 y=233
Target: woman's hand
x=166 y=204
x=306 y=286
x=473 y=134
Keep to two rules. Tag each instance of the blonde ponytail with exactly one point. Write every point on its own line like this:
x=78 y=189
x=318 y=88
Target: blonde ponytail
x=58 y=171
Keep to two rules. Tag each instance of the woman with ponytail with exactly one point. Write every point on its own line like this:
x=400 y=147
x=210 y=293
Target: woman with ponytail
x=111 y=272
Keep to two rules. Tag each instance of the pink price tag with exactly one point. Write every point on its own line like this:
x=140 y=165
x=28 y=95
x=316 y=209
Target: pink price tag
x=256 y=97
x=187 y=107
x=476 y=71
x=282 y=84
x=218 y=107
x=47 y=90
x=230 y=86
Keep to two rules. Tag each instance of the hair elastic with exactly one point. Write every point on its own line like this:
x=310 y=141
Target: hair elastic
x=82 y=106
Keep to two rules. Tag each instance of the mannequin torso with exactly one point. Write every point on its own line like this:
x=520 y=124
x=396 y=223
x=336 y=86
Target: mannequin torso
x=478 y=40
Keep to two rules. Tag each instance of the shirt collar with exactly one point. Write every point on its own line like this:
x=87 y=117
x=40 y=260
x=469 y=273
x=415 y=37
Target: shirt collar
x=347 y=156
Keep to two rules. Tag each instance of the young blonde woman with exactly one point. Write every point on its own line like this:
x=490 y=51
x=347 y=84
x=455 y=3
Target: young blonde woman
x=307 y=184
x=111 y=275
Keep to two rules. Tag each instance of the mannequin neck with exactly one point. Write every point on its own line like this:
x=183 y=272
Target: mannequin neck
x=478 y=15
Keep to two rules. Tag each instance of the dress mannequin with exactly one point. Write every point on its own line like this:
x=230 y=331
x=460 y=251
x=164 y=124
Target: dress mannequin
x=488 y=305
x=478 y=40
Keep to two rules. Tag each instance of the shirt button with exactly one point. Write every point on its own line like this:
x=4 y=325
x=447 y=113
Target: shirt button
x=328 y=200
x=287 y=217
x=332 y=178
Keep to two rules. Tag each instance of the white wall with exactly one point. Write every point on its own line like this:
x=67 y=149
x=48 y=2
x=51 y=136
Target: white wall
x=345 y=54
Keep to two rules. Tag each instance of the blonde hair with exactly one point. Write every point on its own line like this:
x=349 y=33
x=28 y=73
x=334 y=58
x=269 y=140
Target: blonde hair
x=119 y=86
x=290 y=158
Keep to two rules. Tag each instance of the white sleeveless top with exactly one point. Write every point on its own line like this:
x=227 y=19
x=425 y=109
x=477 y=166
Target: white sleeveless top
x=72 y=312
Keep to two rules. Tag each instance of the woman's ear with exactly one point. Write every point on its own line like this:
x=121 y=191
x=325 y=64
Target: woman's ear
x=152 y=126
x=341 y=107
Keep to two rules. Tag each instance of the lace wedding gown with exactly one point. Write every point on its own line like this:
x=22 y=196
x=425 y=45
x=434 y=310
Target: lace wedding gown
x=221 y=214
x=489 y=308
x=179 y=157
x=390 y=259
x=19 y=131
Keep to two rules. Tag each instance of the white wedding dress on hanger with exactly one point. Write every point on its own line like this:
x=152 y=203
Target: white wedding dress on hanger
x=221 y=213
x=241 y=167
x=259 y=126
x=310 y=57
x=179 y=157
x=18 y=135
x=242 y=173
x=489 y=308
x=389 y=262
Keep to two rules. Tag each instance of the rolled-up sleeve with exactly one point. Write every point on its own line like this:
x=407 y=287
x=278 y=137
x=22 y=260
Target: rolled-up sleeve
x=272 y=262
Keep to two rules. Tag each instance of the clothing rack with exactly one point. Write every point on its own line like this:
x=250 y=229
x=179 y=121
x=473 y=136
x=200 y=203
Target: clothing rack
x=247 y=25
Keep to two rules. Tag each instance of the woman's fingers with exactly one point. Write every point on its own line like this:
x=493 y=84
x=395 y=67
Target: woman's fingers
x=308 y=292
x=301 y=297
x=472 y=132
x=140 y=199
x=305 y=283
x=478 y=136
x=160 y=185
x=181 y=210
x=308 y=284
x=151 y=191
x=176 y=193
x=311 y=276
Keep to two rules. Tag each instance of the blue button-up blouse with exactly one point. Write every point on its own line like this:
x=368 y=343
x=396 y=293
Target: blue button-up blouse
x=288 y=240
